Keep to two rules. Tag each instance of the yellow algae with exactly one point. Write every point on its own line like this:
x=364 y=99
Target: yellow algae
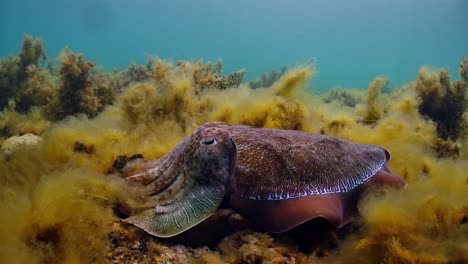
x=253 y=247
x=48 y=216
x=374 y=106
x=424 y=223
x=160 y=70
x=55 y=198
x=274 y=106
x=64 y=208
x=13 y=123
x=292 y=80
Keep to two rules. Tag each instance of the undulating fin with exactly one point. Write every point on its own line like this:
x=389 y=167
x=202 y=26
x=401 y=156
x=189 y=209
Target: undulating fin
x=338 y=208
x=385 y=177
x=281 y=215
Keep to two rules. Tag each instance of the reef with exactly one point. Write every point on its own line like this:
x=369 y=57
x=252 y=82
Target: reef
x=61 y=194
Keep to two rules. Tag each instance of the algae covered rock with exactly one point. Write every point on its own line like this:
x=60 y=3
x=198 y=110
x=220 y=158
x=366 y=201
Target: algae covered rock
x=13 y=144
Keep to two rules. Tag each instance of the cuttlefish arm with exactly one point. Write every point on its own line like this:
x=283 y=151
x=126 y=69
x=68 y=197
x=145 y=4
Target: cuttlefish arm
x=186 y=186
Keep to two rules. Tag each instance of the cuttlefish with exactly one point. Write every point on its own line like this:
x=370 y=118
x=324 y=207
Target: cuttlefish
x=277 y=178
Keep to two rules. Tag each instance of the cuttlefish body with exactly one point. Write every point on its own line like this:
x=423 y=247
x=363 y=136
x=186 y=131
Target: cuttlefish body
x=277 y=178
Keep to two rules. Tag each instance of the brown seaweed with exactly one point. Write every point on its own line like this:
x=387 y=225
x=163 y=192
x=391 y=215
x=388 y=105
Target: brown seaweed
x=443 y=102
x=14 y=72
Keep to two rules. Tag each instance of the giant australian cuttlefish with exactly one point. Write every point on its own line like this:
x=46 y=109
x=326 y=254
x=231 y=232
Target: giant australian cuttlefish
x=276 y=178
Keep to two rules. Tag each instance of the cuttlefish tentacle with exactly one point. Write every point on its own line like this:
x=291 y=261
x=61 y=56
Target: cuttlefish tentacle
x=278 y=178
x=192 y=185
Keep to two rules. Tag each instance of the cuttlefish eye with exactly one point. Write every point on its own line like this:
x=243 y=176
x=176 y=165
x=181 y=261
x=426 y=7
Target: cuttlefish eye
x=208 y=141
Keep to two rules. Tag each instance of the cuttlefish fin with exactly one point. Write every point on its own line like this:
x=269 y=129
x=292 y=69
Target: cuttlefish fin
x=338 y=208
x=191 y=208
x=281 y=215
x=385 y=177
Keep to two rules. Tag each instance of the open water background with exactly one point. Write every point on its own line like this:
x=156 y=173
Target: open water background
x=351 y=41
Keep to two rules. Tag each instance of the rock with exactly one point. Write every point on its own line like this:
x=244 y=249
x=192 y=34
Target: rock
x=12 y=144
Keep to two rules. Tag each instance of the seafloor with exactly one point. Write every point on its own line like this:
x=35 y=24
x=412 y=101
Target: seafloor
x=65 y=122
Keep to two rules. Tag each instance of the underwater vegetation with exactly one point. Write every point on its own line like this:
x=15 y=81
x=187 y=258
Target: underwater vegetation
x=57 y=193
x=15 y=71
x=464 y=69
x=373 y=109
x=443 y=101
x=344 y=97
x=72 y=87
x=267 y=79
x=78 y=91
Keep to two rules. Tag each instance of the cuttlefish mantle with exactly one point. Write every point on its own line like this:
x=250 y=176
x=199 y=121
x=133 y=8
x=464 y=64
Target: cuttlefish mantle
x=276 y=178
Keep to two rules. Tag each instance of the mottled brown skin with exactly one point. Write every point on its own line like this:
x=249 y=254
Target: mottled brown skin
x=279 y=179
x=295 y=155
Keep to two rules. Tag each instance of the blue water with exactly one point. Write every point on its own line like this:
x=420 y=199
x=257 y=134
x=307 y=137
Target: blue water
x=352 y=41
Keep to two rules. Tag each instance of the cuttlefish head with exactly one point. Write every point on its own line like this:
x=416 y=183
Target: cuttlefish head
x=213 y=155
x=188 y=184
